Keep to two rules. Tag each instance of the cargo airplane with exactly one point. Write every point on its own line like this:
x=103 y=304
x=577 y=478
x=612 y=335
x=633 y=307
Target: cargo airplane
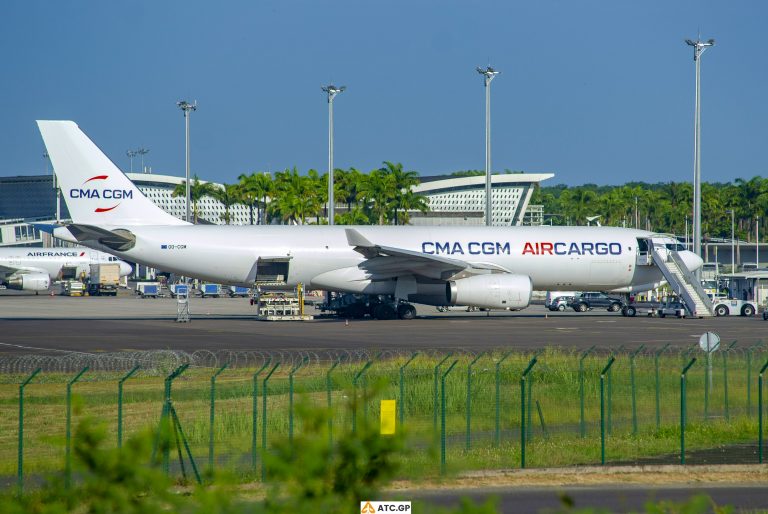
x=491 y=267
x=33 y=269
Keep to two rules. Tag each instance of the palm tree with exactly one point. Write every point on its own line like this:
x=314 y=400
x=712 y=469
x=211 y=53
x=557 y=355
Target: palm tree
x=376 y=190
x=255 y=188
x=412 y=201
x=346 y=187
x=402 y=181
x=295 y=197
x=317 y=186
x=228 y=195
x=197 y=190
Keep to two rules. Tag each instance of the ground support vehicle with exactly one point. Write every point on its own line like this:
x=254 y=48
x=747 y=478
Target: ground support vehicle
x=733 y=307
x=105 y=279
x=207 y=290
x=238 y=291
x=672 y=307
x=642 y=309
x=148 y=289
x=72 y=288
x=357 y=306
x=589 y=301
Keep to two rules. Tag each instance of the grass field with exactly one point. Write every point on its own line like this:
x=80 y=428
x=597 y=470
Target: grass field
x=722 y=419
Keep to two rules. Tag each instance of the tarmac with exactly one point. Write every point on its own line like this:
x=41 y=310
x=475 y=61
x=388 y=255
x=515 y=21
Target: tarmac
x=30 y=323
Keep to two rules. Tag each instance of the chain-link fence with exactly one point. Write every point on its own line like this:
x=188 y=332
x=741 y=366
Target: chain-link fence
x=457 y=410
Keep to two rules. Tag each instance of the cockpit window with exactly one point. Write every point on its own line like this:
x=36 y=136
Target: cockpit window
x=675 y=246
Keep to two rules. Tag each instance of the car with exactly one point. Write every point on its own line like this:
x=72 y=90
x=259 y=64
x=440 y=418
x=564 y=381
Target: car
x=560 y=303
x=588 y=301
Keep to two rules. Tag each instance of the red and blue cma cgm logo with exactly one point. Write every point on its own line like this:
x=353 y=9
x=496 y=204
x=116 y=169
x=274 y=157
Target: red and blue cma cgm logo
x=95 y=192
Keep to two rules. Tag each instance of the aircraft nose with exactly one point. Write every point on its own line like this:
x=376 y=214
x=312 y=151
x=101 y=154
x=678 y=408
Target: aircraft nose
x=691 y=260
x=125 y=269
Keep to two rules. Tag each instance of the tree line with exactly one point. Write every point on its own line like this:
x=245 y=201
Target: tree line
x=661 y=207
x=383 y=196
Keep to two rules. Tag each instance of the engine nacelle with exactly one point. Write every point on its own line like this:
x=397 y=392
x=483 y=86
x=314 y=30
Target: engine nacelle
x=496 y=291
x=30 y=282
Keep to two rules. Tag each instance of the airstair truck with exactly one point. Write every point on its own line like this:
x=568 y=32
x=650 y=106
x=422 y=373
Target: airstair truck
x=105 y=278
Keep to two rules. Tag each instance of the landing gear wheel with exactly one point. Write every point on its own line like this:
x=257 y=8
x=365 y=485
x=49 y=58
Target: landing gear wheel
x=406 y=311
x=384 y=311
x=721 y=310
x=747 y=310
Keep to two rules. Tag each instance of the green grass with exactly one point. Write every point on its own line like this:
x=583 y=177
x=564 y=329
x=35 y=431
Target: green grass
x=555 y=383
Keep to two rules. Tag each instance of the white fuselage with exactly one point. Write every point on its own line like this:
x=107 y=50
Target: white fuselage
x=601 y=258
x=55 y=262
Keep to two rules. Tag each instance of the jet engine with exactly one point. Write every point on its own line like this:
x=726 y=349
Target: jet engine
x=30 y=282
x=496 y=291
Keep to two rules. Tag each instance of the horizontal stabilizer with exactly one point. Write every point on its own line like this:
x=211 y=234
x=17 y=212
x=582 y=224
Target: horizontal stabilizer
x=118 y=239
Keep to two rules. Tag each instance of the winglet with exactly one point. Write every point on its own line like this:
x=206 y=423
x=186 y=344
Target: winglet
x=355 y=238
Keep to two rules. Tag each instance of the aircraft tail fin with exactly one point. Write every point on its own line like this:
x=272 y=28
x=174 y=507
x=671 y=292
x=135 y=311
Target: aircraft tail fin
x=95 y=190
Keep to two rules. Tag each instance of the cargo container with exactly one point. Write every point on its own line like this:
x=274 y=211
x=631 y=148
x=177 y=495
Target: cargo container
x=207 y=290
x=148 y=289
x=105 y=278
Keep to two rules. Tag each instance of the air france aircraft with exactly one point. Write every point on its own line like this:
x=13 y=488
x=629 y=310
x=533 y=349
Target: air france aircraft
x=33 y=269
x=491 y=267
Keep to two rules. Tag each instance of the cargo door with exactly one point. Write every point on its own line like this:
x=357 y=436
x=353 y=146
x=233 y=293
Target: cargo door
x=272 y=271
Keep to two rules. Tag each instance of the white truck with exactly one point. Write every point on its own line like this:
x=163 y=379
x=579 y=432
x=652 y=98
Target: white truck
x=105 y=279
x=732 y=307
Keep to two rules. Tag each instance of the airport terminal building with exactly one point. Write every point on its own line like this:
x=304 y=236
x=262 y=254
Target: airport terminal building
x=452 y=201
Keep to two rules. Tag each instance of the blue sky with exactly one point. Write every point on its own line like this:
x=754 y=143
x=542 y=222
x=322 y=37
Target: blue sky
x=594 y=91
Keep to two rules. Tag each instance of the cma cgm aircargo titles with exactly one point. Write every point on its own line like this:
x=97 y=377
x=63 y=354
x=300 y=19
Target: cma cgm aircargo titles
x=491 y=267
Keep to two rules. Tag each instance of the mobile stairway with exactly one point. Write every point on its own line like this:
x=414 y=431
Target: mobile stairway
x=682 y=281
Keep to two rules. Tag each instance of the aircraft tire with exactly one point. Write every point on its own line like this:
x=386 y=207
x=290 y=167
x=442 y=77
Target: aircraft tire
x=384 y=311
x=406 y=311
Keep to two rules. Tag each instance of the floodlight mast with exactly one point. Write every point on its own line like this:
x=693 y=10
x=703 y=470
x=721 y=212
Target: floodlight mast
x=488 y=75
x=142 y=152
x=187 y=108
x=331 y=91
x=699 y=47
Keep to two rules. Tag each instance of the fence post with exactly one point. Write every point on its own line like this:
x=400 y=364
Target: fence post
x=120 y=404
x=605 y=370
x=255 y=410
x=328 y=386
x=68 y=457
x=212 y=416
x=264 y=421
x=469 y=399
x=658 y=385
x=725 y=380
x=293 y=371
x=683 y=410
x=20 y=461
x=170 y=426
x=749 y=376
x=442 y=417
x=402 y=388
x=760 y=413
x=498 y=398
x=523 y=428
x=354 y=393
x=634 y=391
x=582 y=422
x=436 y=391
x=609 y=403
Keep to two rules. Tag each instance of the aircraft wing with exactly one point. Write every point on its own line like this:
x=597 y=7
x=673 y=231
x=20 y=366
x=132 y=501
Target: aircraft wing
x=388 y=261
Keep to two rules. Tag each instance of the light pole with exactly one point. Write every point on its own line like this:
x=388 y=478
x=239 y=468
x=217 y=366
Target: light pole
x=488 y=75
x=187 y=108
x=757 y=241
x=699 y=47
x=733 y=241
x=331 y=91
x=131 y=154
x=142 y=152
